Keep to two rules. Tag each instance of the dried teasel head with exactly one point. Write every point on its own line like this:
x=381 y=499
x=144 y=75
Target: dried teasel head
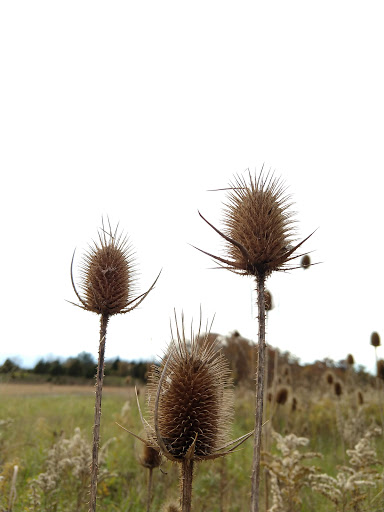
x=329 y=378
x=375 y=339
x=282 y=395
x=350 y=360
x=150 y=457
x=338 y=388
x=108 y=275
x=360 y=397
x=259 y=228
x=170 y=507
x=380 y=369
x=190 y=400
x=305 y=261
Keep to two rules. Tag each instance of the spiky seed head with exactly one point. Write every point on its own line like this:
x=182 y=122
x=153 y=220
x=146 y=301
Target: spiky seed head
x=150 y=457
x=282 y=395
x=375 y=339
x=338 y=388
x=350 y=360
x=329 y=378
x=257 y=217
x=294 y=404
x=196 y=398
x=171 y=507
x=107 y=274
x=360 y=398
x=268 y=300
x=380 y=369
x=305 y=261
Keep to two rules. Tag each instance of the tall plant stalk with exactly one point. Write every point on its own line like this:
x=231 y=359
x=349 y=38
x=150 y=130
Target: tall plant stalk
x=260 y=384
x=107 y=284
x=96 y=425
x=186 y=485
x=259 y=234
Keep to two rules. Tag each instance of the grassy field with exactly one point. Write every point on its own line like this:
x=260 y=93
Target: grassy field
x=36 y=418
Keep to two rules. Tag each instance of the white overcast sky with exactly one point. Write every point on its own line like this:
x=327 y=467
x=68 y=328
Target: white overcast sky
x=135 y=110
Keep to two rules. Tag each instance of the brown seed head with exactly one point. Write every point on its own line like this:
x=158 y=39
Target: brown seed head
x=294 y=404
x=259 y=228
x=360 y=398
x=329 y=378
x=282 y=395
x=350 y=360
x=338 y=388
x=380 y=369
x=108 y=276
x=171 y=507
x=150 y=457
x=305 y=261
x=195 y=403
x=375 y=339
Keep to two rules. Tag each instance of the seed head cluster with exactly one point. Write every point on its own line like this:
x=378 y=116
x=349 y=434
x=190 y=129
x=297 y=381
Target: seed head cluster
x=195 y=401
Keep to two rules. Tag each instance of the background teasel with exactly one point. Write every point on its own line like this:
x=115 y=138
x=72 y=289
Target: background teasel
x=107 y=280
x=260 y=235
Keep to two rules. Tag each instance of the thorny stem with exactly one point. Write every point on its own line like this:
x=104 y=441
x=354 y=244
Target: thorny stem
x=149 y=489
x=186 y=485
x=378 y=393
x=96 y=427
x=255 y=477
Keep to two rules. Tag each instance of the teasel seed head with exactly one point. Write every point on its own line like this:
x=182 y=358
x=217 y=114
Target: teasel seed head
x=305 y=261
x=108 y=275
x=375 y=339
x=190 y=400
x=294 y=404
x=360 y=397
x=350 y=360
x=282 y=395
x=380 y=369
x=338 y=388
x=329 y=378
x=171 y=507
x=259 y=228
x=150 y=457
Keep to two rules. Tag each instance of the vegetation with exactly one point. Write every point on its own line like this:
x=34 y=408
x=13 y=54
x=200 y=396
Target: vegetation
x=45 y=423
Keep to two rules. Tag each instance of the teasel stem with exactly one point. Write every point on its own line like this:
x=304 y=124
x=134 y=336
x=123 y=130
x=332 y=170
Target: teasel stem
x=377 y=382
x=96 y=427
x=255 y=477
x=149 y=489
x=186 y=484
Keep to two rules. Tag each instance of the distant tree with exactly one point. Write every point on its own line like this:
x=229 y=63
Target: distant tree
x=9 y=366
x=41 y=367
x=56 y=368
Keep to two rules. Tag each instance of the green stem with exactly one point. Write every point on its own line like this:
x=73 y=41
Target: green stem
x=255 y=477
x=96 y=427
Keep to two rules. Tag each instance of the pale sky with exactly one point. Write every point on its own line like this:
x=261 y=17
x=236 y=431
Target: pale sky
x=135 y=110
